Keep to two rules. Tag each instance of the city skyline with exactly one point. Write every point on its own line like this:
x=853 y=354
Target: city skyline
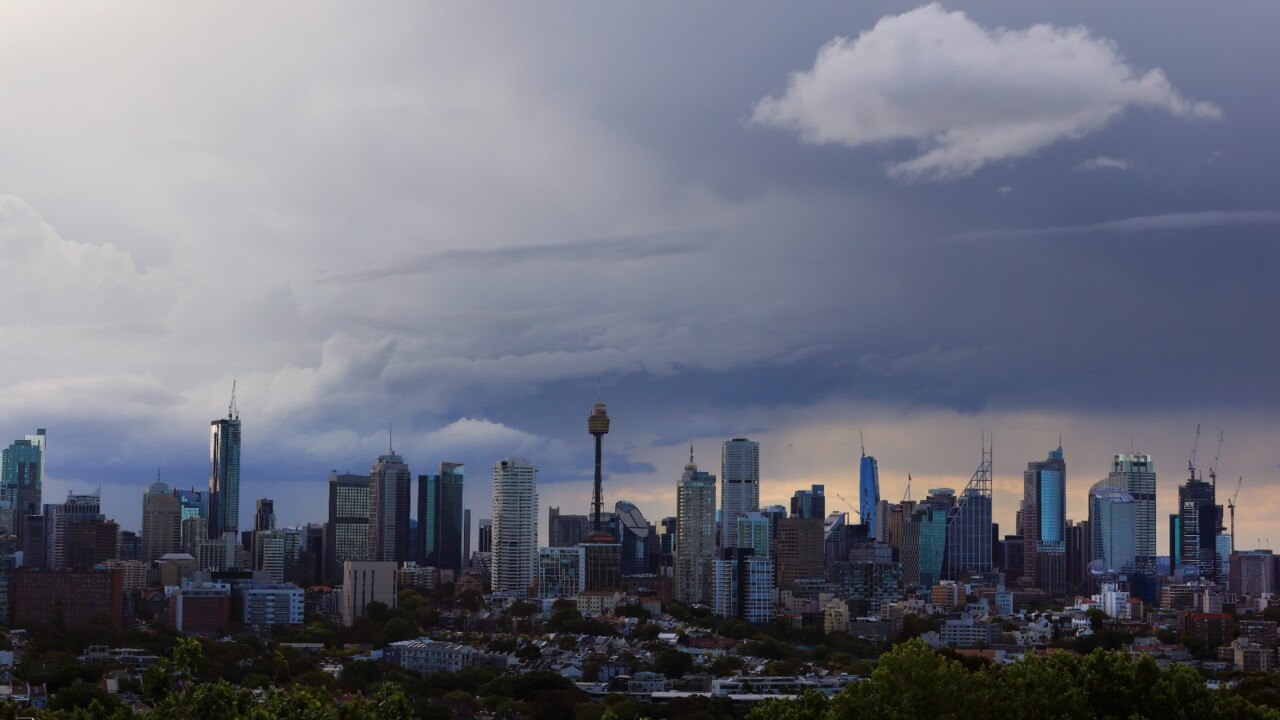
x=745 y=253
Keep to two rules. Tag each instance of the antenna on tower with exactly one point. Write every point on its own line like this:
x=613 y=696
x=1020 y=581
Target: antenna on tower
x=863 y=443
x=391 y=446
x=233 y=412
x=690 y=453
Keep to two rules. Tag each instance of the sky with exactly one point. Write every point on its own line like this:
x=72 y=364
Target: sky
x=465 y=223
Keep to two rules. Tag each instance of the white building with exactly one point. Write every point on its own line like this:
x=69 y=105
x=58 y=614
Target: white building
x=266 y=606
x=695 y=542
x=744 y=588
x=561 y=571
x=515 y=526
x=363 y=582
x=739 y=485
x=427 y=656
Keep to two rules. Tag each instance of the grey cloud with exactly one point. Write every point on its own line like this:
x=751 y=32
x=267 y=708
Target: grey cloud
x=1104 y=162
x=1141 y=224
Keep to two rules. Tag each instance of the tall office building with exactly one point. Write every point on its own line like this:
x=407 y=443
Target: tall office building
x=1135 y=473
x=21 y=482
x=636 y=535
x=743 y=586
x=389 y=484
x=695 y=551
x=811 y=503
x=161 y=522
x=969 y=527
x=224 y=472
x=264 y=517
x=561 y=571
x=484 y=536
x=466 y=538
x=754 y=533
x=739 y=486
x=798 y=551
x=1199 y=519
x=194 y=504
x=1112 y=524
x=440 y=518
x=347 y=532
x=868 y=492
x=1044 y=522
x=566 y=530
x=65 y=545
x=515 y=526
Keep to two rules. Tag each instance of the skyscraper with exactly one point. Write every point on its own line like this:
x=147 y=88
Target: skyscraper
x=161 y=522
x=21 y=482
x=739 y=486
x=484 y=536
x=389 y=483
x=1044 y=522
x=264 y=518
x=194 y=504
x=811 y=503
x=1198 y=525
x=347 y=533
x=969 y=535
x=636 y=537
x=566 y=530
x=1135 y=473
x=440 y=518
x=1115 y=513
x=224 y=472
x=695 y=535
x=868 y=492
x=515 y=526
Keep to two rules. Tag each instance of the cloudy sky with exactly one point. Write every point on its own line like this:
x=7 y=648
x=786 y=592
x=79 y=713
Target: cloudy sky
x=919 y=222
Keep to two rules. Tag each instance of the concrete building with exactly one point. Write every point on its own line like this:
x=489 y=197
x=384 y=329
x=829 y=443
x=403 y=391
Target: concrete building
x=347 y=532
x=202 y=608
x=47 y=598
x=427 y=656
x=798 y=550
x=561 y=571
x=161 y=522
x=515 y=526
x=739 y=486
x=744 y=586
x=696 y=535
x=270 y=605
x=364 y=582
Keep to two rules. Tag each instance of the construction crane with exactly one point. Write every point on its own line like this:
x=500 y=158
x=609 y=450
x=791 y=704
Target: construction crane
x=852 y=507
x=1191 y=464
x=1213 y=469
x=907 y=496
x=1231 y=505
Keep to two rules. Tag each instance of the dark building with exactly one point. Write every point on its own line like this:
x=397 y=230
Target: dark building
x=347 y=532
x=603 y=564
x=224 y=472
x=798 y=551
x=265 y=516
x=389 y=484
x=811 y=503
x=47 y=598
x=638 y=539
x=1199 y=519
x=34 y=543
x=871 y=580
x=130 y=545
x=91 y=542
x=1044 y=523
x=566 y=530
x=440 y=518
x=1013 y=557
x=1211 y=629
x=484 y=539
x=1079 y=553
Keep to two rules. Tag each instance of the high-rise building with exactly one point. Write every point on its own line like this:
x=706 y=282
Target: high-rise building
x=868 y=492
x=194 y=504
x=1044 y=522
x=224 y=472
x=515 y=526
x=566 y=530
x=440 y=518
x=264 y=518
x=739 y=486
x=695 y=535
x=484 y=536
x=636 y=538
x=365 y=582
x=561 y=571
x=598 y=427
x=924 y=538
x=1135 y=473
x=59 y=521
x=969 y=527
x=798 y=550
x=811 y=503
x=348 y=527
x=466 y=538
x=1199 y=519
x=753 y=532
x=744 y=586
x=1112 y=522
x=161 y=522
x=389 y=483
x=21 y=482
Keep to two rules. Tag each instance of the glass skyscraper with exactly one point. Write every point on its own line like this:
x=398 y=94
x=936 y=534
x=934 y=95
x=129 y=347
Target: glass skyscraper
x=224 y=475
x=868 y=492
x=969 y=534
x=1135 y=473
x=389 y=482
x=1198 y=524
x=1044 y=522
x=21 y=482
x=635 y=536
x=739 y=486
x=440 y=518
x=347 y=534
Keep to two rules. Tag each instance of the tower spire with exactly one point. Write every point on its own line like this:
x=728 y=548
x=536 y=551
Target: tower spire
x=233 y=412
x=862 y=441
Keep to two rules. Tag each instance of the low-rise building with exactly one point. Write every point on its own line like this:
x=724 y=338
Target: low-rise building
x=1252 y=657
x=202 y=608
x=427 y=656
x=597 y=602
x=269 y=605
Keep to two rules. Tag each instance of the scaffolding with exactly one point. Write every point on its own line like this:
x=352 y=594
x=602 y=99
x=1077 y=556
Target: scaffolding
x=969 y=528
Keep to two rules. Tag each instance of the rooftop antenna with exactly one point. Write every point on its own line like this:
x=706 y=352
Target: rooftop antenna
x=391 y=447
x=690 y=453
x=233 y=412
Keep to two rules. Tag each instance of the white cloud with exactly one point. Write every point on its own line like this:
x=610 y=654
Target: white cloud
x=1103 y=162
x=968 y=95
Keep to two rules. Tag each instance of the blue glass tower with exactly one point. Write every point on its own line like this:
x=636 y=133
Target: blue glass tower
x=868 y=492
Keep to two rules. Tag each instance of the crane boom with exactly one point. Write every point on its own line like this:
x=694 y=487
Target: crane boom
x=1213 y=469
x=1191 y=464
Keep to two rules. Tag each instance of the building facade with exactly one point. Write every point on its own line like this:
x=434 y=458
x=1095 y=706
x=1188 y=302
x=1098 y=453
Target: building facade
x=1044 y=523
x=515 y=526
x=224 y=474
x=389 y=486
x=695 y=550
x=364 y=582
x=739 y=486
x=561 y=571
x=347 y=532
x=440 y=533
